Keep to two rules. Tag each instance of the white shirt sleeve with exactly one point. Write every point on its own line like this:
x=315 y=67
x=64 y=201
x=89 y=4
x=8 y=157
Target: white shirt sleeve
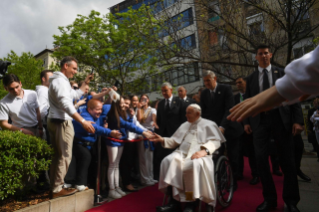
x=4 y=112
x=302 y=77
x=65 y=101
x=153 y=111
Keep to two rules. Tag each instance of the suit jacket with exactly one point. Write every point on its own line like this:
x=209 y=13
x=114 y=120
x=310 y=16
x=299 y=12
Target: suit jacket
x=169 y=121
x=237 y=98
x=188 y=101
x=218 y=110
x=289 y=114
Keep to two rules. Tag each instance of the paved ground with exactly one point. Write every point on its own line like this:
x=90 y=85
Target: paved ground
x=309 y=192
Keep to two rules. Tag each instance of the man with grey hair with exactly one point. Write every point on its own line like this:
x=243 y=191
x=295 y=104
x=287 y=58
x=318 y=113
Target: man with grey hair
x=195 y=140
x=216 y=101
x=170 y=115
x=182 y=94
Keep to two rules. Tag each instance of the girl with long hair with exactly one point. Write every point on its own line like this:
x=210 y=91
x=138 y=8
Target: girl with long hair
x=116 y=121
x=147 y=117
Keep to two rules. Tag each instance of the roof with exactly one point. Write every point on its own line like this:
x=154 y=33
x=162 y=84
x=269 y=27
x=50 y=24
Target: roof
x=44 y=51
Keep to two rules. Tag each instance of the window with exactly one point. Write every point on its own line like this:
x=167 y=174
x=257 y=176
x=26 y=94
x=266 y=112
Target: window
x=43 y=63
x=187 y=43
x=302 y=47
x=213 y=11
x=213 y=38
x=222 y=39
x=255 y=25
x=178 y=22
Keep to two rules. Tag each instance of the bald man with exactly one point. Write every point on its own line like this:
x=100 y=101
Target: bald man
x=83 y=142
x=182 y=94
x=195 y=141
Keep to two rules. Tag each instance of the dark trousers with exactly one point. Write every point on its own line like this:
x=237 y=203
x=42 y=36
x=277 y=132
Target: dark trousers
x=271 y=125
x=299 y=146
x=233 y=146
x=127 y=162
x=159 y=154
x=313 y=140
x=274 y=158
x=79 y=166
x=247 y=149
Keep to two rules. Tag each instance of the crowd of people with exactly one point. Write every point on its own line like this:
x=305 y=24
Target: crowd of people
x=161 y=142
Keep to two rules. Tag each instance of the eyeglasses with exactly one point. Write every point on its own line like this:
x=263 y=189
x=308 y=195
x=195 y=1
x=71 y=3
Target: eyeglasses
x=75 y=88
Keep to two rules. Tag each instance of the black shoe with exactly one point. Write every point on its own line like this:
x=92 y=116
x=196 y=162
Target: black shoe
x=266 y=206
x=303 y=176
x=277 y=172
x=292 y=208
x=254 y=181
x=168 y=208
x=190 y=207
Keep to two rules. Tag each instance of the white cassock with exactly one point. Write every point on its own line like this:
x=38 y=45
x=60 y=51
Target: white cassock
x=191 y=179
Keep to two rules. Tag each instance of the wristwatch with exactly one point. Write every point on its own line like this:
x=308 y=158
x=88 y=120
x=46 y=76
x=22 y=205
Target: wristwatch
x=207 y=151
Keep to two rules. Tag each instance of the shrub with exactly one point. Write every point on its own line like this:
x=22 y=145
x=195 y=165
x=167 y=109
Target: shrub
x=21 y=156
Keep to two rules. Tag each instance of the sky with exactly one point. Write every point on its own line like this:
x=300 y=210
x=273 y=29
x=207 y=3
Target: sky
x=28 y=25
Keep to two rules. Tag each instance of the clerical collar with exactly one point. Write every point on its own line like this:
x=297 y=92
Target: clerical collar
x=214 y=88
x=198 y=120
x=260 y=69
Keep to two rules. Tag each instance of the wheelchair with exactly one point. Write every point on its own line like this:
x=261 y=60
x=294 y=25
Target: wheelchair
x=224 y=182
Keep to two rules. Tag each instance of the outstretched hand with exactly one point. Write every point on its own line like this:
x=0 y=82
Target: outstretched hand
x=156 y=138
x=148 y=134
x=253 y=106
x=87 y=125
x=116 y=134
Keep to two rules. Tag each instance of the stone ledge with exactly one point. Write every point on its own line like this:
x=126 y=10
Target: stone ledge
x=79 y=202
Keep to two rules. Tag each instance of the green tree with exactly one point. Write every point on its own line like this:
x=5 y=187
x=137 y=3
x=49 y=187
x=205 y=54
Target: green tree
x=119 y=47
x=26 y=67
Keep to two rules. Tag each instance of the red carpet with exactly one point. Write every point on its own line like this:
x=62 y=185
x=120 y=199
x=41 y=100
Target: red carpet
x=246 y=198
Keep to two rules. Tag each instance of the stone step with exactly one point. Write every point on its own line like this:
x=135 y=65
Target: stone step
x=79 y=202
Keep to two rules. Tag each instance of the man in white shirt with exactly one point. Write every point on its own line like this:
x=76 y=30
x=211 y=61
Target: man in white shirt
x=21 y=106
x=42 y=92
x=60 y=126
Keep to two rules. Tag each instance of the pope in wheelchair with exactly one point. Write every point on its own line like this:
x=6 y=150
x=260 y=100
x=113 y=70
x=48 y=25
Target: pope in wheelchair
x=187 y=174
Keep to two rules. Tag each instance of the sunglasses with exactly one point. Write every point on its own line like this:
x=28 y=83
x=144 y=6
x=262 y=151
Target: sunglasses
x=75 y=88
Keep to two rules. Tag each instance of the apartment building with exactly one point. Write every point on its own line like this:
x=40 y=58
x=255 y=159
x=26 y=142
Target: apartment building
x=188 y=73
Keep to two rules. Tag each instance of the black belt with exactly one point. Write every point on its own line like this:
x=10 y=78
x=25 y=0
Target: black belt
x=84 y=143
x=57 y=121
x=34 y=127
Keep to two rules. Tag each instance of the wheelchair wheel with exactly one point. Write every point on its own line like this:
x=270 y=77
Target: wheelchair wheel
x=224 y=181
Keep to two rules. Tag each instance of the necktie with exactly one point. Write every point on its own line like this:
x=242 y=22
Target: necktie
x=265 y=80
x=212 y=94
x=241 y=97
x=167 y=105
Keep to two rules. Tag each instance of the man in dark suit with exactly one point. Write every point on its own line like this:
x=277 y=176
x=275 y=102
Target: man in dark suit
x=170 y=115
x=182 y=94
x=246 y=140
x=277 y=123
x=311 y=133
x=215 y=101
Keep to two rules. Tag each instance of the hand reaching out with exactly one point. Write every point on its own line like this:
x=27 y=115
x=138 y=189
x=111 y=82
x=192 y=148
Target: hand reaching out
x=148 y=134
x=156 y=138
x=87 y=125
x=116 y=134
x=264 y=101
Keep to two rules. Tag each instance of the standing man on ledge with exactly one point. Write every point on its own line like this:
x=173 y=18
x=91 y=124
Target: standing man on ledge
x=60 y=125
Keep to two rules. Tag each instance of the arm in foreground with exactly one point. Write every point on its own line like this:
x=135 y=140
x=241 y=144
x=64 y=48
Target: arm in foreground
x=253 y=106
